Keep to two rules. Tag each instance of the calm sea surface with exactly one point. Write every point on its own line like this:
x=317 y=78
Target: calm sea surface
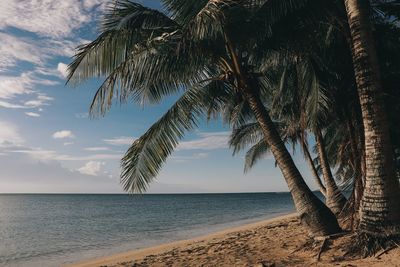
x=52 y=230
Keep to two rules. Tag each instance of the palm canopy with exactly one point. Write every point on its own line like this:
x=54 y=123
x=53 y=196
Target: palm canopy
x=317 y=91
x=146 y=54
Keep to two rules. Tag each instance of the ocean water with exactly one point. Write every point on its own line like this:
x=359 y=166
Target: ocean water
x=53 y=230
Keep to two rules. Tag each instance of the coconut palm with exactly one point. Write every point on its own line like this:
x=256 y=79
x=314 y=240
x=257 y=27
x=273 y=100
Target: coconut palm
x=298 y=102
x=380 y=209
x=199 y=48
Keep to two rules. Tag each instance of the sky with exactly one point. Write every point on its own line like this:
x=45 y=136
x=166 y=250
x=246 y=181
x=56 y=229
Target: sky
x=49 y=145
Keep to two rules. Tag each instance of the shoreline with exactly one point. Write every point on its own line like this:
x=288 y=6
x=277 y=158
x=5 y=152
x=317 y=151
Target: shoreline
x=279 y=241
x=138 y=254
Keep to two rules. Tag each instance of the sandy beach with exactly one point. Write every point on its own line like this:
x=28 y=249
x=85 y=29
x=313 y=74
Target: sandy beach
x=279 y=241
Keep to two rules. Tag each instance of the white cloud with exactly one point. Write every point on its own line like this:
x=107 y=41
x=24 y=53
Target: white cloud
x=100 y=148
x=37 y=153
x=194 y=156
x=207 y=141
x=84 y=115
x=89 y=4
x=41 y=100
x=46 y=155
x=62 y=69
x=118 y=141
x=68 y=143
x=13 y=49
x=32 y=114
x=49 y=177
x=92 y=168
x=9 y=134
x=63 y=134
x=88 y=157
x=46 y=18
x=5 y=104
x=10 y=86
x=33 y=50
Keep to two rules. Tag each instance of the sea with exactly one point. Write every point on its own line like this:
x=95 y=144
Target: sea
x=57 y=229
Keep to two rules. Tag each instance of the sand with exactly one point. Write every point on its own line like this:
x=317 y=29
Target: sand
x=276 y=242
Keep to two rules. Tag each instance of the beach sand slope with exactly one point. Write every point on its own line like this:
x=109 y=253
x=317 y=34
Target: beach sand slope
x=276 y=242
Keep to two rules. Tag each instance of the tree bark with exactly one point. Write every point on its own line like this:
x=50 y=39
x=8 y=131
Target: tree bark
x=356 y=153
x=380 y=204
x=314 y=171
x=335 y=200
x=317 y=218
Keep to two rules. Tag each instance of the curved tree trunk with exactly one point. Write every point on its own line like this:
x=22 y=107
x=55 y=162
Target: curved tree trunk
x=314 y=215
x=380 y=204
x=335 y=200
x=317 y=218
x=314 y=171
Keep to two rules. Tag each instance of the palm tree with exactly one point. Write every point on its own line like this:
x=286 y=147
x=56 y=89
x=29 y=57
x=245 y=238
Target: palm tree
x=201 y=47
x=380 y=205
x=297 y=93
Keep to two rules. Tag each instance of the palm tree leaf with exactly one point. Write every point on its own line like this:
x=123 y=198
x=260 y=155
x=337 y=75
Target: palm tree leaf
x=255 y=153
x=244 y=136
x=145 y=157
x=124 y=25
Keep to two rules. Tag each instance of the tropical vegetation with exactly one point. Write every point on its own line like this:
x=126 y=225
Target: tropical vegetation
x=279 y=73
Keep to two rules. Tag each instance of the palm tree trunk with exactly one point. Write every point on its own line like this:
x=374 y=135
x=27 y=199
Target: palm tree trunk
x=314 y=215
x=380 y=204
x=335 y=200
x=314 y=171
x=357 y=165
x=317 y=218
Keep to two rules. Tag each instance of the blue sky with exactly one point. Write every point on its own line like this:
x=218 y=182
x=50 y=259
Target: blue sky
x=47 y=141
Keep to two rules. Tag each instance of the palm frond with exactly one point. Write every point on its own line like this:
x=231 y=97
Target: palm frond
x=145 y=157
x=254 y=154
x=244 y=136
x=125 y=24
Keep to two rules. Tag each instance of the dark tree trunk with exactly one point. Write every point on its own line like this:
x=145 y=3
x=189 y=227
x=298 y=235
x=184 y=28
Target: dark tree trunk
x=313 y=169
x=314 y=215
x=356 y=153
x=380 y=204
x=335 y=200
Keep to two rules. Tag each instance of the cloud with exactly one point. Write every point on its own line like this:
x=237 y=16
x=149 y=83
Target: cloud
x=68 y=143
x=101 y=148
x=62 y=69
x=13 y=49
x=88 y=157
x=92 y=168
x=47 y=18
x=46 y=155
x=195 y=156
x=118 y=141
x=41 y=100
x=83 y=115
x=37 y=51
x=63 y=134
x=9 y=134
x=12 y=86
x=49 y=177
x=36 y=153
x=5 y=104
x=32 y=114
x=206 y=141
